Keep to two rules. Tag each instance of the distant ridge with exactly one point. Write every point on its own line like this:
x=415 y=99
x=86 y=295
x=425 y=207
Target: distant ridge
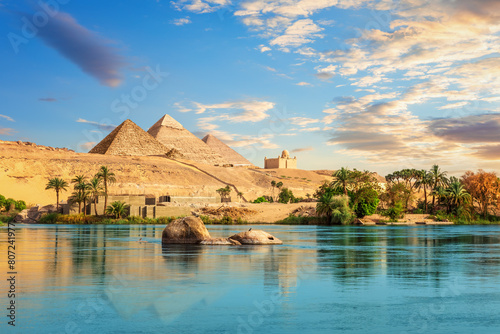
x=129 y=139
x=229 y=155
x=173 y=135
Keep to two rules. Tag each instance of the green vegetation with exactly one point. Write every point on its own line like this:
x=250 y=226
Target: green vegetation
x=286 y=196
x=335 y=209
x=261 y=199
x=58 y=185
x=395 y=212
x=117 y=209
x=294 y=220
x=224 y=193
x=107 y=178
x=9 y=204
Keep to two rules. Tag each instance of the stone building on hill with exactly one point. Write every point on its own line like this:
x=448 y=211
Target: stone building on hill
x=173 y=135
x=130 y=140
x=281 y=162
x=228 y=154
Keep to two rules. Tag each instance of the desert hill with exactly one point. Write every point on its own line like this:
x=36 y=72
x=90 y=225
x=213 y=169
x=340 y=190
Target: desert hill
x=26 y=167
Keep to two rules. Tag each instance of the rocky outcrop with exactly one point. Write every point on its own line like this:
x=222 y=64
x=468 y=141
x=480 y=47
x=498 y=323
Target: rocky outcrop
x=256 y=237
x=220 y=241
x=188 y=230
x=33 y=214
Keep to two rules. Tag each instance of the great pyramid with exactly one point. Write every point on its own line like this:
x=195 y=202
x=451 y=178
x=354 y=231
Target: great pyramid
x=129 y=139
x=173 y=135
x=229 y=155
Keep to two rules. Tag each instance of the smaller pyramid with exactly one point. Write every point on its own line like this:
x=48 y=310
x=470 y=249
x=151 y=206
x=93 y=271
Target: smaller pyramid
x=129 y=139
x=173 y=135
x=230 y=155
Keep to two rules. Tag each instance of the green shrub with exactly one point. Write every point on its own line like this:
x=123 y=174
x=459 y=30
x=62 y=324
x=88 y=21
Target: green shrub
x=206 y=220
x=50 y=218
x=286 y=196
x=261 y=199
x=226 y=220
x=20 y=205
x=395 y=212
x=365 y=202
x=294 y=220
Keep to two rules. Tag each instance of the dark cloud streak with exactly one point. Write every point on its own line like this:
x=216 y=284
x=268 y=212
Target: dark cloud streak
x=86 y=49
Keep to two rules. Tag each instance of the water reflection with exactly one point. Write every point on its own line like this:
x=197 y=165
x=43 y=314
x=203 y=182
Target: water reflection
x=319 y=271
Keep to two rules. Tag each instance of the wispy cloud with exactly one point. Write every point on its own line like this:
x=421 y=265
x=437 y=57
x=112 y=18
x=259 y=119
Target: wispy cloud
x=10 y=119
x=303 y=83
x=303 y=121
x=240 y=111
x=181 y=21
x=87 y=146
x=303 y=149
x=200 y=6
x=103 y=127
x=90 y=52
x=7 y=131
x=47 y=99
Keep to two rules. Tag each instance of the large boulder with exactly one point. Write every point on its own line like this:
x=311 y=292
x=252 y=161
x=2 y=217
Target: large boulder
x=188 y=230
x=256 y=237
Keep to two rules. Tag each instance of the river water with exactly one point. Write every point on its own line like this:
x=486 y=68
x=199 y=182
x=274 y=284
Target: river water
x=100 y=279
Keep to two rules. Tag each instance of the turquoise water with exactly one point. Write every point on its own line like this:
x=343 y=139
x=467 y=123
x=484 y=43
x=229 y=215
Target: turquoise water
x=99 y=279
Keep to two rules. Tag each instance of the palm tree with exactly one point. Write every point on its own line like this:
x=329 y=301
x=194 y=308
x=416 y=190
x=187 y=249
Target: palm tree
x=273 y=184
x=335 y=208
x=94 y=188
x=240 y=195
x=107 y=178
x=343 y=176
x=457 y=195
x=441 y=194
x=78 y=196
x=438 y=179
x=424 y=180
x=278 y=185
x=58 y=185
x=117 y=209
x=325 y=206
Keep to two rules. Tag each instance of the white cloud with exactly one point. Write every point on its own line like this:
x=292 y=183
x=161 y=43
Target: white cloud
x=299 y=33
x=264 y=48
x=200 y=6
x=181 y=21
x=303 y=121
x=303 y=83
x=246 y=111
x=10 y=119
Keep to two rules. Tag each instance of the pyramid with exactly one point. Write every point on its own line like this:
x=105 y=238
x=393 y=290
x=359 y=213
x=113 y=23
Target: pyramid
x=229 y=155
x=173 y=135
x=129 y=139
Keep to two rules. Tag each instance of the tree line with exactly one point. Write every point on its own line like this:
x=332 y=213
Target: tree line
x=86 y=191
x=356 y=193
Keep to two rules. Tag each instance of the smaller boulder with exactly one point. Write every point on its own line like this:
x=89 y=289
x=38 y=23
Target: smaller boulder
x=256 y=237
x=220 y=241
x=188 y=230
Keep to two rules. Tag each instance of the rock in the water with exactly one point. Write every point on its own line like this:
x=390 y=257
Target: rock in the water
x=256 y=237
x=220 y=241
x=188 y=230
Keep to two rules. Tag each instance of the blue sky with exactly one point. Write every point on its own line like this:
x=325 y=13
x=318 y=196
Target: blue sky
x=377 y=84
